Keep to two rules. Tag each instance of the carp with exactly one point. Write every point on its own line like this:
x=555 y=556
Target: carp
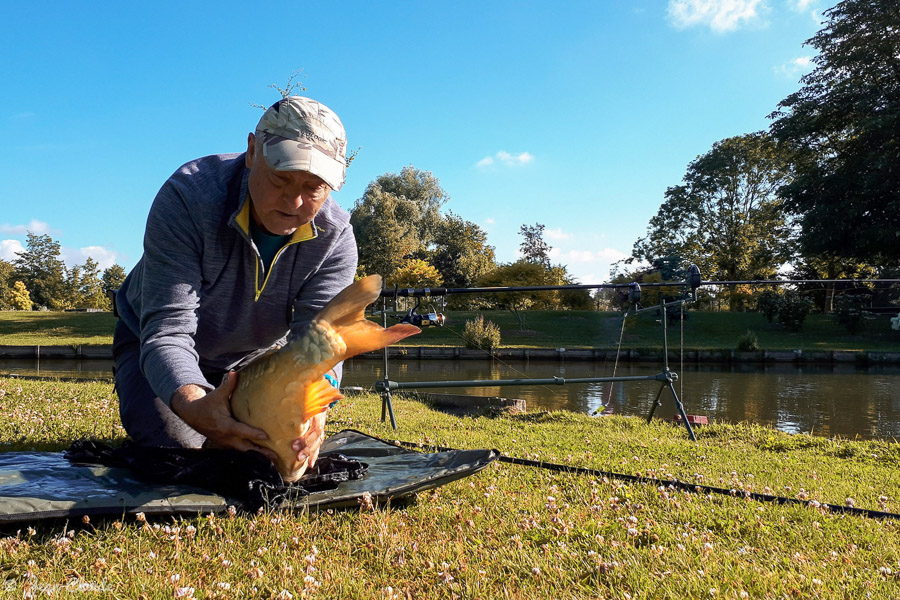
x=282 y=390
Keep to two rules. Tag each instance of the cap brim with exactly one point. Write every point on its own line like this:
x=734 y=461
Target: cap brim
x=282 y=154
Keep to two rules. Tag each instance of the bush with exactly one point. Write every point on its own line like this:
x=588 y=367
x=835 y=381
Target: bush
x=482 y=334
x=748 y=342
x=849 y=311
x=767 y=303
x=792 y=311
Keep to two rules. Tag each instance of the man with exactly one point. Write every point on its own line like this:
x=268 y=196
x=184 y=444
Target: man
x=239 y=250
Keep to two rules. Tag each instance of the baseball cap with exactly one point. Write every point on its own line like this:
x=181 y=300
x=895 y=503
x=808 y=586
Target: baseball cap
x=300 y=134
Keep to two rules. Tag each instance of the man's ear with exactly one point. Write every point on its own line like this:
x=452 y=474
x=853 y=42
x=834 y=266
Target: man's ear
x=251 y=150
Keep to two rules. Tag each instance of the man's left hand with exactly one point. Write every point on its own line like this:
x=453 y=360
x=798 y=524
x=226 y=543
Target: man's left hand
x=307 y=447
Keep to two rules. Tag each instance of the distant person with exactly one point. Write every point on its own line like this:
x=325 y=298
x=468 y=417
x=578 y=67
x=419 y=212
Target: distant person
x=239 y=251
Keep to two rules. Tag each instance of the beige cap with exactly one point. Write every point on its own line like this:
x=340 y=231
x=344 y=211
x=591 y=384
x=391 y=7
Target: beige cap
x=300 y=134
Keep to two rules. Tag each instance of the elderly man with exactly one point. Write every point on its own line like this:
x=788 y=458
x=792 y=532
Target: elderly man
x=239 y=251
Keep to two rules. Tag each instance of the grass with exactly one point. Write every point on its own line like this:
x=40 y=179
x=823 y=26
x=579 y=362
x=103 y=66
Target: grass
x=702 y=330
x=507 y=532
x=46 y=328
x=544 y=329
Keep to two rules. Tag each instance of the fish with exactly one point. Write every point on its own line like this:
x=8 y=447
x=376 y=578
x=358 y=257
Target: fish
x=281 y=391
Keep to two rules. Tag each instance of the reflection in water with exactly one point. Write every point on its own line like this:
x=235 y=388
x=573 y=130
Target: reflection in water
x=827 y=400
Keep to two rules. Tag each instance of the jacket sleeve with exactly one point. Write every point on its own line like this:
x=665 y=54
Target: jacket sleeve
x=172 y=276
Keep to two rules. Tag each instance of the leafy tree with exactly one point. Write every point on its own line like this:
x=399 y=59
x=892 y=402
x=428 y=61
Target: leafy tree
x=90 y=291
x=726 y=217
x=533 y=247
x=19 y=299
x=397 y=218
x=830 y=267
x=846 y=121
x=461 y=253
x=518 y=274
x=414 y=273
x=42 y=271
x=6 y=283
x=113 y=277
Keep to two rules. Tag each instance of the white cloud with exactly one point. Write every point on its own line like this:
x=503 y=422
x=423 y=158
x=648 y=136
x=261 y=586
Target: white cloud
x=34 y=226
x=505 y=158
x=585 y=265
x=721 y=16
x=489 y=221
x=792 y=68
x=557 y=234
x=77 y=256
x=8 y=249
x=801 y=5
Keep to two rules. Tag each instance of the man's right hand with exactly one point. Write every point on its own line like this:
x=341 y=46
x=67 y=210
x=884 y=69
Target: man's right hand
x=209 y=414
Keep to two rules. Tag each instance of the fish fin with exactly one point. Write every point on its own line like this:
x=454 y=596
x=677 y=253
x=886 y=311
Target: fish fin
x=350 y=304
x=319 y=395
x=346 y=315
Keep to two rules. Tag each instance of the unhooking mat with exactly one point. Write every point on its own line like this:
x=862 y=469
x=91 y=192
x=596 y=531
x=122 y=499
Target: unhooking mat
x=43 y=485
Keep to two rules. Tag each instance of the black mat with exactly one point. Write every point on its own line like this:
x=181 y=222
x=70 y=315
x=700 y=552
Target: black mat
x=43 y=485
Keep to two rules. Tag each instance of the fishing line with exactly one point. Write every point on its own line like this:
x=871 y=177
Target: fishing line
x=668 y=483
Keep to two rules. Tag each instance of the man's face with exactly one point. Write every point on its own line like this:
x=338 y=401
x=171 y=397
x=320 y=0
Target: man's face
x=282 y=201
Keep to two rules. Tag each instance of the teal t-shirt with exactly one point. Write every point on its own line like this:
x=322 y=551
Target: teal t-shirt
x=267 y=244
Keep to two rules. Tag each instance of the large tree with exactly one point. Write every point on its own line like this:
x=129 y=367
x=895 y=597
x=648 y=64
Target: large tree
x=533 y=247
x=726 y=217
x=846 y=120
x=42 y=271
x=461 y=253
x=396 y=219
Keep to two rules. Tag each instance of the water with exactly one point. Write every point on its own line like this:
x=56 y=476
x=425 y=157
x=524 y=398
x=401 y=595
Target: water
x=826 y=400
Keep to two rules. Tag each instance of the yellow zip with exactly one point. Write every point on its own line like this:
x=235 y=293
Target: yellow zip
x=304 y=233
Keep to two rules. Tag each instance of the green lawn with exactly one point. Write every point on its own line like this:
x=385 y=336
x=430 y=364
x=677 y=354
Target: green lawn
x=543 y=329
x=47 y=328
x=508 y=532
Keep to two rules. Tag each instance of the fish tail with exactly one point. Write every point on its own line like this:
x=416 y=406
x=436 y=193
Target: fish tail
x=346 y=315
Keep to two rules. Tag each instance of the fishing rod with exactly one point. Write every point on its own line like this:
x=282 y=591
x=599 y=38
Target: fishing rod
x=693 y=284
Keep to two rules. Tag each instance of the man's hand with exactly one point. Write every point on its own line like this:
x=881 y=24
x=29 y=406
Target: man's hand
x=307 y=447
x=210 y=415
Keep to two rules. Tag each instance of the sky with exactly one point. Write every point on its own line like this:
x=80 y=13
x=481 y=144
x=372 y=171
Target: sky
x=576 y=115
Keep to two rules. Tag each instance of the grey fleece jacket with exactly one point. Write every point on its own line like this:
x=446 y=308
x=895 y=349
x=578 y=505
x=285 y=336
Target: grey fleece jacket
x=200 y=295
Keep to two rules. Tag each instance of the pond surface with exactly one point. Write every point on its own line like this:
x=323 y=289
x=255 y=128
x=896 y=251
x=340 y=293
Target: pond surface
x=823 y=399
x=826 y=400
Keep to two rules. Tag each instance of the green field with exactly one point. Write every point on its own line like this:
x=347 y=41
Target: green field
x=507 y=532
x=48 y=328
x=543 y=329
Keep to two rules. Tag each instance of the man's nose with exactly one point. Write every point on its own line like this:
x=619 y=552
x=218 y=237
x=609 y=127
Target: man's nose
x=293 y=195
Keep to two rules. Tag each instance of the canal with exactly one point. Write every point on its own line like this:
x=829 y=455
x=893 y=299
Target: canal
x=828 y=400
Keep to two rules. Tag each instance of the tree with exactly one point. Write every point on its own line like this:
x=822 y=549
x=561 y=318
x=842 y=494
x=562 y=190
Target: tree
x=6 y=283
x=726 y=217
x=414 y=273
x=19 y=299
x=533 y=247
x=461 y=253
x=521 y=273
x=397 y=218
x=90 y=290
x=830 y=267
x=113 y=277
x=846 y=122
x=42 y=271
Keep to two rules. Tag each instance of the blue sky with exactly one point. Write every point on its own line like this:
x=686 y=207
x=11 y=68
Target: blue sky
x=577 y=115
